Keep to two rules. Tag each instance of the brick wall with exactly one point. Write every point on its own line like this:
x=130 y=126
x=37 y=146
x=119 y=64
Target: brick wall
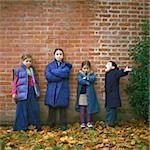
x=95 y=30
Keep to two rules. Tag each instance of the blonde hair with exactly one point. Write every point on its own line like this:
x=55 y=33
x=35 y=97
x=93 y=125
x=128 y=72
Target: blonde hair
x=26 y=56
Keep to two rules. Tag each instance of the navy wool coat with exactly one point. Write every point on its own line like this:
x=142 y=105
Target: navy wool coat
x=112 y=96
x=93 y=105
x=57 y=92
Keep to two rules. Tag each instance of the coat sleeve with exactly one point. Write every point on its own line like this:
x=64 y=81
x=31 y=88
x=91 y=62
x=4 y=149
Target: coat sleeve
x=121 y=73
x=91 y=77
x=50 y=77
x=14 y=84
x=81 y=80
x=62 y=72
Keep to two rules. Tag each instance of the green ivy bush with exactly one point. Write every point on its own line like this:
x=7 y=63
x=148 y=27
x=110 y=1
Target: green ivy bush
x=138 y=86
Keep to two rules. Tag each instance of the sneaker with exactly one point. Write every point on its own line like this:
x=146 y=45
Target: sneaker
x=89 y=125
x=82 y=125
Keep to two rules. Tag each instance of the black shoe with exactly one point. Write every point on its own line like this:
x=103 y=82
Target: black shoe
x=52 y=125
x=21 y=130
x=39 y=129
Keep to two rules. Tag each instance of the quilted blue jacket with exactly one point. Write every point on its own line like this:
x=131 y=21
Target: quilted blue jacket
x=22 y=83
x=57 y=92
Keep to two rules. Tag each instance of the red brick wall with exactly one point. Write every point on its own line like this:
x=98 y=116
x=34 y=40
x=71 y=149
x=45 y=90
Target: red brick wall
x=85 y=29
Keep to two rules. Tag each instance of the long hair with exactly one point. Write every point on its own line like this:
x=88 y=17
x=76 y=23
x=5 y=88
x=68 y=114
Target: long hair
x=86 y=63
x=59 y=50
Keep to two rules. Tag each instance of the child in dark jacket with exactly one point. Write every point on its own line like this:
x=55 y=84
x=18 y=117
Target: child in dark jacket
x=25 y=92
x=112 y=99
x=87 y=102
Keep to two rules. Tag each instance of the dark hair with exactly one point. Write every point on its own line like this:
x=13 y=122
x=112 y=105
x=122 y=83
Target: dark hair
x=57 y=50
x=86 y=63
x=26 y=56
x=113 y=64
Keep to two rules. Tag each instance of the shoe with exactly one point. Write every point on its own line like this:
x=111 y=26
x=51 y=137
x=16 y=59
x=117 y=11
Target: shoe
x=51 y=125
x=107 y=125
x=110 y=124
x=82 y=125
x=39 y=129
x=89 y=125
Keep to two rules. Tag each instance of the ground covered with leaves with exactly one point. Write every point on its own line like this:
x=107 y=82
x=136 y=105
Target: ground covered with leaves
x=127 y=135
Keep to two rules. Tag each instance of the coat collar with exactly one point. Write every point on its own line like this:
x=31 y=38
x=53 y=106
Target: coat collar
x=112 y=70
x=23 y=66
x=80 y=71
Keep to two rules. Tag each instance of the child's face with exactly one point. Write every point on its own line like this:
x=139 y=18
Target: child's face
x=59 y=55
x=109 y=66
x=86 y=69
x=27 y=62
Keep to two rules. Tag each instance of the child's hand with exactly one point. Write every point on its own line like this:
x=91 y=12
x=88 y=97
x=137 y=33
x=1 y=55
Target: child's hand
x=127 y=69
x=84 y=77
x=14 y=96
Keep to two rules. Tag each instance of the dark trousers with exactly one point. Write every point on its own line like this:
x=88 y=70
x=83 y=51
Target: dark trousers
x=52 y=116
x=111 y=116
x=27 y=112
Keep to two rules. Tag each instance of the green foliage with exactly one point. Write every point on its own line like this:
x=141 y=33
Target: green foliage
x=56 y=148
x=39 y=147
x=2 y=145
x=138 y=87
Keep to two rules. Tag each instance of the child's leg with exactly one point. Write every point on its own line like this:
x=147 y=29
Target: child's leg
x=63 y=116
x=115 y=116
x=52 y=116
x=88 y=116
x=82 y=114
x=89 y=119
x=21 y=120
x=111 y=116
x=33 y=109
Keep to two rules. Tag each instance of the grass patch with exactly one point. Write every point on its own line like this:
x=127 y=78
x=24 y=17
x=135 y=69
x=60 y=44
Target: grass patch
x=76 y=147
x=6 y=136
x=56 y=148
x=22 y=137
x=39 y=147
x=2 y=145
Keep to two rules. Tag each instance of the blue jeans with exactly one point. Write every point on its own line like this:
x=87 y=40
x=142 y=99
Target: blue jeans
x=111 y=116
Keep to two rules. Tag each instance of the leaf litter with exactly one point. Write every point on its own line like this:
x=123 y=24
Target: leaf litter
x=127 y=135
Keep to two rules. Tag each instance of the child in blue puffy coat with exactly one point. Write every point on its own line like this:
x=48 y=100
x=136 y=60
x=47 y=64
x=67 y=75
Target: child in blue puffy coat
x=57 y=93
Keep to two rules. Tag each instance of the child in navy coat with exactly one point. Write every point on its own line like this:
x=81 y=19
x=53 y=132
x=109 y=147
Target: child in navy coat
x=112 y=99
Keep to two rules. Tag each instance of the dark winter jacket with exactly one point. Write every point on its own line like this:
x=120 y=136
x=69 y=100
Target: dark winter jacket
x=57 y=92
x=22 y=83
x=93 y=105
x=112 y=99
